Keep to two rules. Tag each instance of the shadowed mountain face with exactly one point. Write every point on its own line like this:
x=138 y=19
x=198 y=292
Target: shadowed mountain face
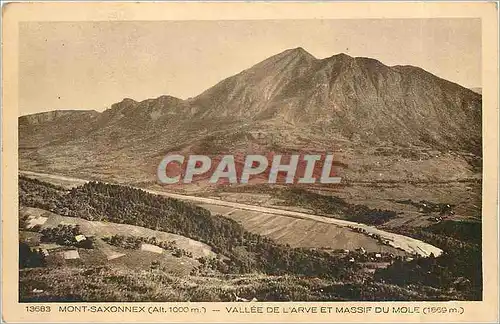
x=288 y=102
x=350 y=96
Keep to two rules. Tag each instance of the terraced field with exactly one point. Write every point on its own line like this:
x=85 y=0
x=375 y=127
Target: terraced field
x=302 y=232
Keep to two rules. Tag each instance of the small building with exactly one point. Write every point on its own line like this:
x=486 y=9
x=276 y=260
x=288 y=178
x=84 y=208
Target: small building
x=114 y=255
x=151 y=248
x=36 y=220
x=378 y=255
x=71 y=254
x=361 y=250
x=80 y=238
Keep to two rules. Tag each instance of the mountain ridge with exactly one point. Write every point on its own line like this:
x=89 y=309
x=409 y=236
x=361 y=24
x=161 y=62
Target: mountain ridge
x=297 y=49
x=289 y=101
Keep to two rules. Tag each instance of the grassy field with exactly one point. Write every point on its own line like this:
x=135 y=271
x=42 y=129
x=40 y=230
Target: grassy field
x=105 y=229
x=104 y=283
x=104 y=254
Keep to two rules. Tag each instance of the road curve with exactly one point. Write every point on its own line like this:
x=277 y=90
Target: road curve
x=405 y=243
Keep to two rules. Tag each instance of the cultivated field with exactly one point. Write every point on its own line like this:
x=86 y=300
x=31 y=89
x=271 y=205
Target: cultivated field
x=302 y=232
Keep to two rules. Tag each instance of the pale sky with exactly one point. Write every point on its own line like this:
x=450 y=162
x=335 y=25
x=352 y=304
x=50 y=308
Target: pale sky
x=91 y=65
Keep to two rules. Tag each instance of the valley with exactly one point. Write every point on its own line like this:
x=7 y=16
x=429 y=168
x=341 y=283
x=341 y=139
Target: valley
x=123 y=250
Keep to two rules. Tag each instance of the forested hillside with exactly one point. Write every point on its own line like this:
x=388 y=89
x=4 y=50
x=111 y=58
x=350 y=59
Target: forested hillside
x=245 y=252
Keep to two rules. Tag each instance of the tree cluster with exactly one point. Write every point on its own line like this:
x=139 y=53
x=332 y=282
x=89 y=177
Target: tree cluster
x=65 y=235
x=459 y=267
x=30 y=258
x=335 y=205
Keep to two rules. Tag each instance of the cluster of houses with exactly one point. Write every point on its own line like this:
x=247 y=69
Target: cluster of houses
x=435 y=219
x=361 y=255
x=427 y=207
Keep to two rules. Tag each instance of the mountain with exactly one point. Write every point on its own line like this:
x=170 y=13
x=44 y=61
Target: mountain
x=49 y=128
x=355 y=106
x=353 y=96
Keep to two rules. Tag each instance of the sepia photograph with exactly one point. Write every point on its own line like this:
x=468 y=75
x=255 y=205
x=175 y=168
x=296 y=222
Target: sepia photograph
x=251 y=160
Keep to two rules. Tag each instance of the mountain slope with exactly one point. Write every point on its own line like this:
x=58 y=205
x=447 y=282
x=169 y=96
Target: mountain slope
x=352 y=96
x=45 y=128
x=288 y=102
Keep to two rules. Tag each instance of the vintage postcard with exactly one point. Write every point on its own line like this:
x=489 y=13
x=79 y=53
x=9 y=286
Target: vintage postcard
x=250 y=162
